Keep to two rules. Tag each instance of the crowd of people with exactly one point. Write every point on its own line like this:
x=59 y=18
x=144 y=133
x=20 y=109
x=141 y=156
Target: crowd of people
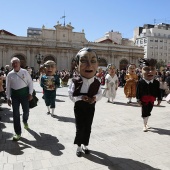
x=144 y=83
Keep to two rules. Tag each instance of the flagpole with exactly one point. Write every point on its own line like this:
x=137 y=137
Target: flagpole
x=64 y=18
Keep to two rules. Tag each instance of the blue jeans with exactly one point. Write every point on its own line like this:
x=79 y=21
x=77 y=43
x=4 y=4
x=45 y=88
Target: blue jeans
x=16 y=101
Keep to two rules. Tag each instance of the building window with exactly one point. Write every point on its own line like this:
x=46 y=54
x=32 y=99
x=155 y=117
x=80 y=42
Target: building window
x=151 y=40
x=161 y=41
x=156 y=40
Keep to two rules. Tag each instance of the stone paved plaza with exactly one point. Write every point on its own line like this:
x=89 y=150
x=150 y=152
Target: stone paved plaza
x=117 y=140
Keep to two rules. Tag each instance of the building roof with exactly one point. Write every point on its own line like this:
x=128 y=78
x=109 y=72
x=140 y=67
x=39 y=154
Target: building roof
x=6 y=32
x=105 y=40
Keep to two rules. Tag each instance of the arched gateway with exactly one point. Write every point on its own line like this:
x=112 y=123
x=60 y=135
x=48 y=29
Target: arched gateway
x=22 y=60
x=123 y=64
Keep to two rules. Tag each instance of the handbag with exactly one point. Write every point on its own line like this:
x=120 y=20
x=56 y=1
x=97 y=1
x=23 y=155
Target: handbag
x=33 y=102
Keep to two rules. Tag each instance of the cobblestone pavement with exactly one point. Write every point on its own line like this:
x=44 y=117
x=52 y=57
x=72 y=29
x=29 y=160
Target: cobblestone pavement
x=117 y=140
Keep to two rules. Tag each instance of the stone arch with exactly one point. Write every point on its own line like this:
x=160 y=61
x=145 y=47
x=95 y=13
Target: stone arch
x=102 y=62
x=22 y=59
x=123 y=64
x=49 y=57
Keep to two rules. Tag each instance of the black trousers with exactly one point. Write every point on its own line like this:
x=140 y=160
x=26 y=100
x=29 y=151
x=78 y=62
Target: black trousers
x=146 y=109
x=84 y=113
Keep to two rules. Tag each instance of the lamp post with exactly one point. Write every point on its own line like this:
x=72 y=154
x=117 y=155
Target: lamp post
x=39 y=59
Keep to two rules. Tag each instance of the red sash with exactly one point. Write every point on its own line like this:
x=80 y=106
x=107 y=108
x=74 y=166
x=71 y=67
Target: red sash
x=148 y=99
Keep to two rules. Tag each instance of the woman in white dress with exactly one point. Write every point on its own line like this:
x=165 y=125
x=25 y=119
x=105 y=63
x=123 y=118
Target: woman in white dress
x=111 y=80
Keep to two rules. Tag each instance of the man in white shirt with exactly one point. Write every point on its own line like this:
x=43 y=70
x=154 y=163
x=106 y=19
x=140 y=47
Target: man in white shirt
x=19 y=89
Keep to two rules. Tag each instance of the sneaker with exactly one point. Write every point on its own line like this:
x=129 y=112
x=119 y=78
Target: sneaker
x=145 y=129
x=26 y=126
x=16 y=137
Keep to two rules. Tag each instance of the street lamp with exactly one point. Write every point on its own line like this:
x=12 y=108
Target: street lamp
x=39 y=59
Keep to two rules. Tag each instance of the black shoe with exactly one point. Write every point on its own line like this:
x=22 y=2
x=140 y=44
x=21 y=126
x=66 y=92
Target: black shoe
x=78 y=153
x=48 y=113
x=86 y=151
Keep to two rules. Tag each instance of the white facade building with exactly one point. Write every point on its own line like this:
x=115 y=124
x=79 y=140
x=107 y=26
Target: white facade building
x=116 y=37
x=61 y=44
x=156 y=41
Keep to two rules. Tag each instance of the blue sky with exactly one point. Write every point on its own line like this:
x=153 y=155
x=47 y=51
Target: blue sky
x=96 y=17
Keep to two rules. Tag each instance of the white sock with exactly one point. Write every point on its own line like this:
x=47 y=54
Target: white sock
x=52 y=111
x=130 y=99
x=48 y=108
x=85 y=147
x=79 y=149
x=145 y=121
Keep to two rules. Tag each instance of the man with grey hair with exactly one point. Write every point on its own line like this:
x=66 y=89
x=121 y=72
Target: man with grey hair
x=19 y=89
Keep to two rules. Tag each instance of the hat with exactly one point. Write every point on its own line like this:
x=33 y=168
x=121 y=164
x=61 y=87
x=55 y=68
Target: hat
x=147 y=62
x=49 y=62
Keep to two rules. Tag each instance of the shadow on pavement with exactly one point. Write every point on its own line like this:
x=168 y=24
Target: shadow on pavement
x=45 y=142
x=125 y=104
x=159 y=131
x=57 y=100
x=159 y=106
x=64 y=119
x=115 y=163
x=61 y=95
x=6 y=115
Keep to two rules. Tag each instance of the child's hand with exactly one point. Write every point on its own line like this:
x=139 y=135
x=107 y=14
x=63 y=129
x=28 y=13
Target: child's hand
x=92 y=100
x=85 y=98
x=140 y=103
x=159 y=101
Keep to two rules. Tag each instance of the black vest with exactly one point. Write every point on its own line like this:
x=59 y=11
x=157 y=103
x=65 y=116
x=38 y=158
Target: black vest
x=93 y=89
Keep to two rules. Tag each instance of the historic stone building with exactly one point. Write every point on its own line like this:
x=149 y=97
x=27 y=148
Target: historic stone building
x=61 y=45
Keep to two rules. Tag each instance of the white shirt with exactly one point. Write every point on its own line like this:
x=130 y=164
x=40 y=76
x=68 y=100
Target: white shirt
x=148 y=81
x=15 y=80
x=84 y=89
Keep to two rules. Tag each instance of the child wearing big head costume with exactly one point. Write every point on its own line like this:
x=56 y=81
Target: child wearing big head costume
x=131 y=80
x=49 y=82
x=148 y=89
x=111 y=80
x=84 y=91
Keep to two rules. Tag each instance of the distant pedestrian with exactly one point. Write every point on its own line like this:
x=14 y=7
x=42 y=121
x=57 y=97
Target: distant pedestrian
x=85 y=91
x=49 y=82
x=148 y=89
x=19 y=89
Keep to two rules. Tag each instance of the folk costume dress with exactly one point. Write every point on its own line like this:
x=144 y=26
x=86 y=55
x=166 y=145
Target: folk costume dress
x=111 y=84
x=130 y=85
x=147 y=92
